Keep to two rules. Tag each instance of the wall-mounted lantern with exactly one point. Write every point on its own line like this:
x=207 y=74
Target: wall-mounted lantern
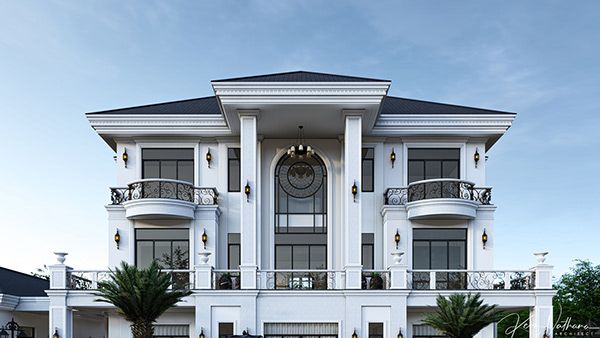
x=208 y=157
x=484 y=238
x=400 y=333
x=354 y=335
x=117 y=238
x=397 y=238
x=476 y=157
x=546 y=333
x=55 y=335
x=125 y=157
x=354 y=190
x=393 y=157
x=247 y=191
x=204 y=238
x=201 y=333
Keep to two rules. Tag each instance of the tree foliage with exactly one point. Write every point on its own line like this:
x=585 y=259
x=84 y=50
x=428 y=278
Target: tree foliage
x=462 y=316
x=140 y=296
x=578 y=294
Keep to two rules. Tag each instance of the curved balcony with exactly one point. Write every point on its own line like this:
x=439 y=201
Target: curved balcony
x=440 y=198
x=151 y=198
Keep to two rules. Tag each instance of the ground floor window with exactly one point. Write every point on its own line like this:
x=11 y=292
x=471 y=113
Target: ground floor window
x=426 y=331
x=225 y=330
x=368 y=251
x=301 y=330
x=375 y=330
x=171 y=331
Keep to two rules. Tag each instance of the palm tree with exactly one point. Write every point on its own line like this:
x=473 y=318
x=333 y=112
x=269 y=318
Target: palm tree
x=140 y=296
x=462 y=316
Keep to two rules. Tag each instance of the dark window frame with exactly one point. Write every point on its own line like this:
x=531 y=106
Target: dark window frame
x=175 y=160
x=239 y=173
x=425 y=160
x=225 y=335
x=136 y=240
x=364 y=160
x=447 y=241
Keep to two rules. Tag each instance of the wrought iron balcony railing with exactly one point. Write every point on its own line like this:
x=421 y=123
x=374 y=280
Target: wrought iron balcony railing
x=88 y=279
x=438 y=188
x=471 y=280
x=301 y=279
x=164 y=188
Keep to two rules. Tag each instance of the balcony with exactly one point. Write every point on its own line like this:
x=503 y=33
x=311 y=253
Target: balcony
x=471 y=280
x=150 y=198
x=440 y=198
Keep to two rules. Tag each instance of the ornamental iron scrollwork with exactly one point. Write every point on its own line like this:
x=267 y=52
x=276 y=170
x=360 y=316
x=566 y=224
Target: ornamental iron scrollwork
x=442 y=188
x=472 y=280
x=166 y=189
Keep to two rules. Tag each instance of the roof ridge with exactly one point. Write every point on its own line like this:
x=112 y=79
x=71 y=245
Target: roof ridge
x=151 y=105
x=298 y=71
x=450 y=104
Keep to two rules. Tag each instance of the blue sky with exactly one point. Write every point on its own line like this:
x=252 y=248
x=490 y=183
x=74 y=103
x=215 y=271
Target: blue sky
x=59 y=60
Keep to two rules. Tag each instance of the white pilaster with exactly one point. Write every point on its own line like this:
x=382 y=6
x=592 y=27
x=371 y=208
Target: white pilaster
x=540 y=315
x=352 y=207
x=248 y=203
x=60 y=317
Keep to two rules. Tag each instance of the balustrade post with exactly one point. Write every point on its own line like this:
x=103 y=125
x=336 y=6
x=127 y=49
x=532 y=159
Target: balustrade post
x=432 y=282
x=398 y=272
x=540 y=315
x=60 y=316
x=203 y=271
x=507 y=281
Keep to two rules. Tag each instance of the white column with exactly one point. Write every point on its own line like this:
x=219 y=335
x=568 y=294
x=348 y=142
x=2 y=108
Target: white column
x=352 y=207
x=60 y=316
x=540 y=315
x=248 y=203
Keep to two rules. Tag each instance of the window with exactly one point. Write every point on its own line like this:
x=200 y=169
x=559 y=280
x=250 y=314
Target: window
x=171 y=331
x=233 y=251
x=428 y=163
x=375 y=330
x=233 y=170
x=225 y=330
x=440 y=249
x=368 y=252
x=368 y=170
x=175 y=164
x=169 y=247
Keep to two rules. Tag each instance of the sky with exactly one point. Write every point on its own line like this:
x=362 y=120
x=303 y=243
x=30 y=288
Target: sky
x=60 y=59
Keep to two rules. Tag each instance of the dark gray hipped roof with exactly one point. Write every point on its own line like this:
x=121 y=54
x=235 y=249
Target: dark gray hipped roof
x=300 y=76
x=200 y=106
x=402 y=106
x=19 y=284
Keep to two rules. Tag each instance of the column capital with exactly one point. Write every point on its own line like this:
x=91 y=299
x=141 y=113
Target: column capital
x=248 y=113
x=353 y=113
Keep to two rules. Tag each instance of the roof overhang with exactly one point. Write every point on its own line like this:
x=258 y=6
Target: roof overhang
x=490 y=126
x=282 y=106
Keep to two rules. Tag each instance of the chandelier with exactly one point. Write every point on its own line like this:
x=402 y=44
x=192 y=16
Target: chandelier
x=300 y=149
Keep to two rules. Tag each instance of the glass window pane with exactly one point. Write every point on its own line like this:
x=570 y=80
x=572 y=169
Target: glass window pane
x=144 y=255
x=416 y=171
x=457 y=252
x=421 y=255
x=225 y=329
x=168 y=154
x=368 y=153
x=162 y=254
x=367 y=256
x=318 y=257
x=151 y=169
x=180 y=258
x=433 y=169
x=433 y=234
x=185 y=171
x=283 y=257
x=234 y=175
x=367 y=175
x=300 y=257
x=162 y=234
x=375 y=330
x=168 y=169
x=439 y=255
x=233 y=153
x=233 y=256
x=450 y=169
x=433 y=154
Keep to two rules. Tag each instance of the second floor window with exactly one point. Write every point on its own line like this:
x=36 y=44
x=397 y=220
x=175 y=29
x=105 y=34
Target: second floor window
x=429 y=163
x=233 y=169
x=170 y=163
x=368 y=251
x=233 y=251
x=168 y=247
x=368 y=169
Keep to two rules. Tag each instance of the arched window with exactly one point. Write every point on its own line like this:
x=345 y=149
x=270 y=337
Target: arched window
x=300 y=213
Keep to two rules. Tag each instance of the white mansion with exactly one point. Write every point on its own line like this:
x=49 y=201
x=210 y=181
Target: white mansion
x=297 y=204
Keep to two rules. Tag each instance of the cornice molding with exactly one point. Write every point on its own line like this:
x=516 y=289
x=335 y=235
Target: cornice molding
x=159 y=124
x=443 y=124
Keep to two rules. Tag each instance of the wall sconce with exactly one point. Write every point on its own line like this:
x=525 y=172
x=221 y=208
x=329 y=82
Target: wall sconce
x=55 y=335
x=400 y=333
x=245 y=332
x=125 y=157
x=204 y=238
x=247 y=191
x=208 y=157
x=117 y=238
x=476 y=156
x=201 y=333
x=354 y=335
x=546 y=333
x=393 y=157
x=484 y=238
x=354 y=191
x=397 y=238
